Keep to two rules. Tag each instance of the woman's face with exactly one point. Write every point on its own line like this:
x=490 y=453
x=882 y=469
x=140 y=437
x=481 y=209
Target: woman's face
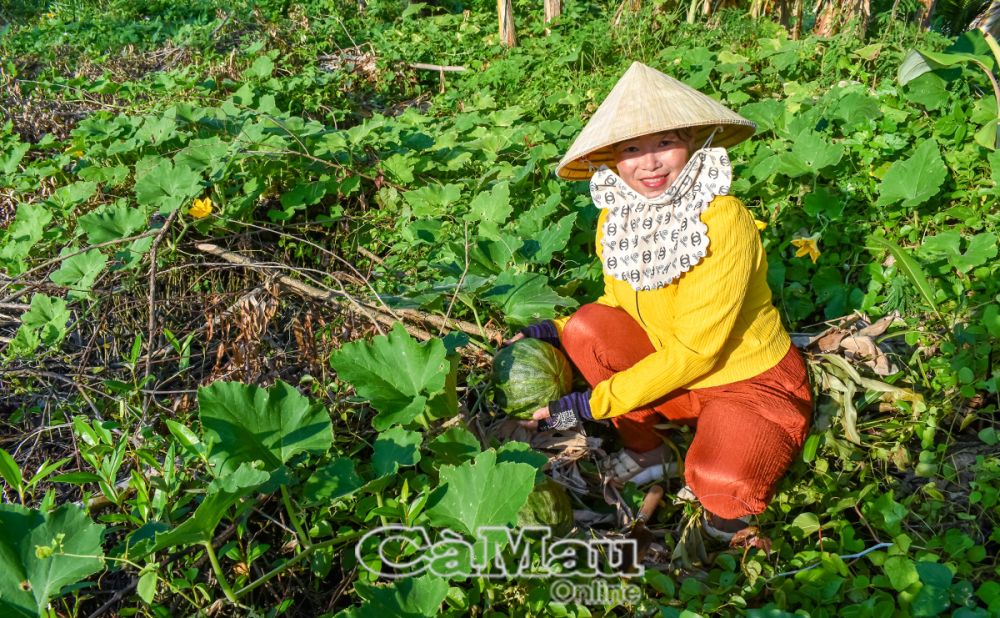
x=649 y=164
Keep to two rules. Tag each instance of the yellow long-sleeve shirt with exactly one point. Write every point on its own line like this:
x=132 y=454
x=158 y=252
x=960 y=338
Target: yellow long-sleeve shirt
x=714 y=325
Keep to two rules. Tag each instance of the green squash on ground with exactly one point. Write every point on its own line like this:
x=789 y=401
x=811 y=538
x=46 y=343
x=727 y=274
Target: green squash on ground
x=548 y=505
x=528 y=374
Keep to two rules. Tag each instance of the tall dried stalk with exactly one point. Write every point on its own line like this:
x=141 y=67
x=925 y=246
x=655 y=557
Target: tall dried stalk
x=553 y=9
x=989 y=20
x=505 y=14
x=788 y=13
x=926 y=12
x=833 y=16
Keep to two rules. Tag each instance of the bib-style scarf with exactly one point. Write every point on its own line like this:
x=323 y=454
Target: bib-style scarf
x=649 y=243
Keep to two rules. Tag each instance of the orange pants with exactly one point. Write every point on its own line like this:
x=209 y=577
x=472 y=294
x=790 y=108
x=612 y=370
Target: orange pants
x=747 y=432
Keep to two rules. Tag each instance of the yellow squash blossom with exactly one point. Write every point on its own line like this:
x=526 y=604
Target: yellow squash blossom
x=201 y=208
x=806 y=246
x=761 y=225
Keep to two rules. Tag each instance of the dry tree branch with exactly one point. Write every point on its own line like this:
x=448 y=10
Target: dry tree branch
x=151 y=327
x=372 y=313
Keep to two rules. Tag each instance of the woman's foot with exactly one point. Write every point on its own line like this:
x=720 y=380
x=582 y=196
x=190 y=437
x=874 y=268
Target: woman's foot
x=648 y=458
x=728 y=526
x=640 y=467
x=725 y=530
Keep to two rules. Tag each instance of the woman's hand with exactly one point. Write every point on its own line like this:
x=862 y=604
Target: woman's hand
x=539 y=414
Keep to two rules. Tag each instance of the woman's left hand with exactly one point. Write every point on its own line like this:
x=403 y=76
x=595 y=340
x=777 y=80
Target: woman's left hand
x=539 y=414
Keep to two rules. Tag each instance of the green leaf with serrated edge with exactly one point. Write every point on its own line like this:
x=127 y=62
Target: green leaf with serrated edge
x=409 y=597
x=246 y=423
x=552 y=238
x=13 y=156
x=810 y=153
x=489 y=209
x=79 y=272
x=166 y=186
x=118 y=220
x=432 y=200
x=156 y=129
x=10 y=471
x=29 y=224
x=332 y=482
x=48 y=317
x=915 y=180
x=32 y=566
x=454 y=446
x=394 y=372
x=399 y=167
x=910 y=268
x=72 y=195
x=481 y=493
x=942 y=244
x=110 y=176
x=222 y=493
x=205 y=154
x=767 y=114
x=982 y=248
x=525 y=297
x=395 y=448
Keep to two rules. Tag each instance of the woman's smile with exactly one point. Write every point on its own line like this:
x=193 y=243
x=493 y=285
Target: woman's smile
x=649 y=164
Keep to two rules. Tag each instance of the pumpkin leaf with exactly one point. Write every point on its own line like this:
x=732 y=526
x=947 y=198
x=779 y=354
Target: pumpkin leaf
x=396 y=374
x=481 y=493
x=394 y=448
x=112 y=222
x=409 y=597
x=247 y=423
x=166 y=186
x=33 y=561
x=525 y=297
x=915 y=180
x=79 y=272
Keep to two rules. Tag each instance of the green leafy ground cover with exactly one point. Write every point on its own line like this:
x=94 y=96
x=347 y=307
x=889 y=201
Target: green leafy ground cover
x=231 y=464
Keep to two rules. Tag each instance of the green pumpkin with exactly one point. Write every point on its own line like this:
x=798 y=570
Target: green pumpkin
x=528 y=374
x=548 y=505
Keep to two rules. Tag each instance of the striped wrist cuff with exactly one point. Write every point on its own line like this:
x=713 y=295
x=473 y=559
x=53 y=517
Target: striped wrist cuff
x=543 y=331
x=578 y=402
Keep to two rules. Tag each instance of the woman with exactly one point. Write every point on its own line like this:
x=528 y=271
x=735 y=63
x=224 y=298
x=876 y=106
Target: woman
x=685 y=329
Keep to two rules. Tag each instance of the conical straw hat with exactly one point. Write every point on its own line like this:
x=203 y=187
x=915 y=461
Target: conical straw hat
x=646 y=101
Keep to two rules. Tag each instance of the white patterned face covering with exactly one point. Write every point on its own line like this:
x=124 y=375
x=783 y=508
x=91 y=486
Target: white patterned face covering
x=649 y=243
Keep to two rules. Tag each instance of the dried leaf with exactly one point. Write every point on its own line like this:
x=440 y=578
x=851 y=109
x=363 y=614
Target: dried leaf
x=830 y=342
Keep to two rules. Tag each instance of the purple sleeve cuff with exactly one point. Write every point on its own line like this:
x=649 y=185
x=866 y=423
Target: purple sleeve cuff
x=543 y=331
x=579 y=402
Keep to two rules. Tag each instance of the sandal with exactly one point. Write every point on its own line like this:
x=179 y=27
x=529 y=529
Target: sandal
x=622 y=467
x=738 y=537
x=719 y=534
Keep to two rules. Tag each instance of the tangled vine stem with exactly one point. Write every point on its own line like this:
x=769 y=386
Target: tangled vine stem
x=266 y=577
x=151 y=327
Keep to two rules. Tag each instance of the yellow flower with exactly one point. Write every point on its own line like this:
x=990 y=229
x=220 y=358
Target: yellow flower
x=761 y=225
x=806 y=246
x=201 y=208
x=50 y=15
